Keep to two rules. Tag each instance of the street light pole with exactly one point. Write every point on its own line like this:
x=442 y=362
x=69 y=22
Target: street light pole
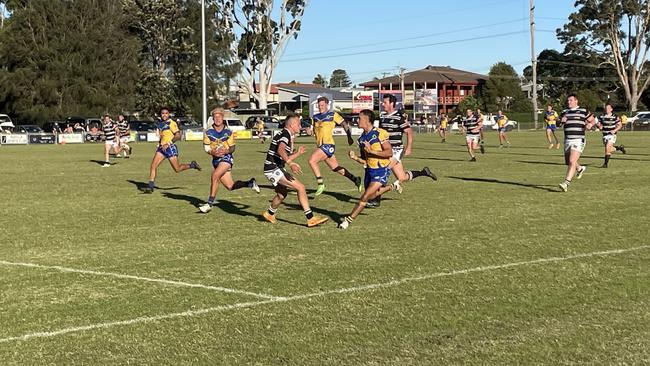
x=533 y=59
x=204 y=92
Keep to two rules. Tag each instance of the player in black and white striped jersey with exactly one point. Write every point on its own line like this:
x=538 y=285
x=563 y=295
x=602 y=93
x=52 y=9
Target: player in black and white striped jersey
x=472 y=124
x=110 y=139
x=281 y=153
x=575 y=121
x=125 y=135
x=394 y=122
x=609 y=123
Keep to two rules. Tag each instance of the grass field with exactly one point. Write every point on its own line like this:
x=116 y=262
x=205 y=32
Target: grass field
x=489 y=265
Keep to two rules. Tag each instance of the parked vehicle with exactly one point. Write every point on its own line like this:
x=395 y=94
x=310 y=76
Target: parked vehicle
x=187 y=123
x=142 y=126
x=643 y=115
x=28 y=129
x=270 y=123
x=6 y=125
x=352 y=119
x=52 y=126
x=235 y=124
x=306 y=128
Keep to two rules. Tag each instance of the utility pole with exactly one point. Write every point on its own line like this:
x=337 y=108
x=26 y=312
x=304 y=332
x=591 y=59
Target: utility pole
x=401 y=85
x=204 y=89
x=533 y=59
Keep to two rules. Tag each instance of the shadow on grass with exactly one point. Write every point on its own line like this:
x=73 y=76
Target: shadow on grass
x=194 y=201
x=547 y=188
x=100 y=162
x=436 y=158
x=539 y=162
x=142 y=185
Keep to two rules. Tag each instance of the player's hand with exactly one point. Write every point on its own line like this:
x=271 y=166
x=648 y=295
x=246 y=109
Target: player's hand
x=301 y=150
x=295 y=168
x=366 y=146
x=352 y=155
x=564 y=119
x=407 y=151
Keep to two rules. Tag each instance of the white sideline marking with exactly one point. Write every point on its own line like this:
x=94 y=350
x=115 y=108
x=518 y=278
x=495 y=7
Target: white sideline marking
x=138 y=278
x=191 y=313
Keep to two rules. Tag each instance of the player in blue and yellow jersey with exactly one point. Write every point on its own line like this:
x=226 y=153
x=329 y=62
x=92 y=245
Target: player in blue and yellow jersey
x=502 y=121
x=550 y=118
x=324 y=123
x=219 y=142
x=376 y=152
x=169 y=133
x=442 y=129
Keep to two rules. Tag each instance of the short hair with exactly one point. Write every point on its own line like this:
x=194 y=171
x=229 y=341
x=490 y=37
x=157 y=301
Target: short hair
x=322 y=99
x=217 y=110
x=107 y=115
x=609 y=104
x=291 y=115
x=572 y=95
x=391 y=98
x=164 y=108
x=368 y=113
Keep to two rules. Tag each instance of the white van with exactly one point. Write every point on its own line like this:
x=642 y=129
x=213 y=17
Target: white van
x=6 y=125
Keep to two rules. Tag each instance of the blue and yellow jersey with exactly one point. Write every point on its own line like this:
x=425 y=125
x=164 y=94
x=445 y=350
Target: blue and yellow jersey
x=443 y=122
x=502 y=119
x=550 y=117
x=375 y=137
x=167 y=131
x=214 y=138
x=324 y=124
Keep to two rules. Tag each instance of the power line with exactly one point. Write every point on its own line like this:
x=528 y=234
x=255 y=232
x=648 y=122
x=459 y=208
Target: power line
x=413 y=38
x=405 y=47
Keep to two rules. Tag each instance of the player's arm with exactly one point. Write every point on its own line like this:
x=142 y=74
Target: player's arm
x=385 y=153
x=619 y=125
x=590 y=122
x=346 y=127
x=409 y=141
x=289 y=159
x=356 y=158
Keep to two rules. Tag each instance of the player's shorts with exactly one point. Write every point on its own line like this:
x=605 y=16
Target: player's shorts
x=328 y=149
x=443 y=126
x=502 y=129
x=275 y=175
x=376 y=175
x=470 y=138
x=574 y=144
x=169 y=152
x=552 y=127
x=609 y=139
x=124 y=139
x=398 y=153
x=228 y=159
x=111 y=143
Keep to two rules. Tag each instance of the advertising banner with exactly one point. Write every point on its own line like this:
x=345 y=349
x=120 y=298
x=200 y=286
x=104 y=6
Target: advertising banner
x=362 y=100
x=42 y=139
x=71 y=138
x=152 y=137
x=14 y=139
x=241 y=135
x=313 y=102
x=191 y=135
x=398 y=95
x=426 y=100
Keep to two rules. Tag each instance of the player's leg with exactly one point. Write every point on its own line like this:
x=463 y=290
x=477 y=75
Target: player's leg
x=107 y=150
x=470 y=147
x=316 y=157
x=557 y=142
x=231 y=185
x=571 y=157
x=216 y=177
x=281 y=192
x=333 y=164
x=292 y=183
x=549 y=134
x=158 y=157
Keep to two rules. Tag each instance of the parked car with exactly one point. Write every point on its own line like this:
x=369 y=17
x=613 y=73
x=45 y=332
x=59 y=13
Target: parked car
x=235 y=124
x=28 y=129
x=270 y=123
x=352 y=119
x=6 y=125
x=306 y=128
x=644 y=115
x=142 y=126
x=187 y=123
x=52 y=126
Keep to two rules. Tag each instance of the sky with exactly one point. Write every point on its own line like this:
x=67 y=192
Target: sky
x=370 y=37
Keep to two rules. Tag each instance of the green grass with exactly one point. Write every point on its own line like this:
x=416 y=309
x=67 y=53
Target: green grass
x=60 y=208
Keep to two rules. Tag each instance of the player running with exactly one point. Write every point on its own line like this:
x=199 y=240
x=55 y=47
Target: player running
x=479 y=118
x=550 y=118
x=110 y=139
x=375 y=156
x=610 y=124
x=169 y=133
x=442 y=130
x=219 y=142
x=472 y=127
x=125 y=135
x=575 y=120
x=324 y=122
x=502 y=121
x=281 y=153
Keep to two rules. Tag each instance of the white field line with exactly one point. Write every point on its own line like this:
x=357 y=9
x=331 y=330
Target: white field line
x=138 y=278
x=192 y=313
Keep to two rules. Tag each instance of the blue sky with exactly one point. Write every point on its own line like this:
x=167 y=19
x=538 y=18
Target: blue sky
x=466 y=34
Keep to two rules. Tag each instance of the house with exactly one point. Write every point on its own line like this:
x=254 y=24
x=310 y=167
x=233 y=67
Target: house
x=451 y=85
x=293 y=96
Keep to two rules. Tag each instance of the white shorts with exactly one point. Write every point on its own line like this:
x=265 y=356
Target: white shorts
x=111 y=143
x=124 y=139
x=275 y=176
x=609 y=139
x=574 y=144
x=472 y=138
x=398 y=153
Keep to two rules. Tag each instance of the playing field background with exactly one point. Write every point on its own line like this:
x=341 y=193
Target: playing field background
x=489 y=265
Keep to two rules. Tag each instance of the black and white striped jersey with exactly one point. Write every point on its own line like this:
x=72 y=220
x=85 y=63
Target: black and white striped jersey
x=608 y=123
x=395 y=124
x=576 y=120
x=109 y=131
x=273 y=159
x=123 y=126
x=471 y=123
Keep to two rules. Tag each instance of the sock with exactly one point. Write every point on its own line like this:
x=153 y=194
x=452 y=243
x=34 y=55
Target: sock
x=151 y=184
x=250 y=182
x=618 y=148
x=319 y=180
x=309 y=214
x=211 y=200
x=349 y=175
x=415 y=173
x=272 y=210
x=567 y=182
x=607 y=159
x=349 y=219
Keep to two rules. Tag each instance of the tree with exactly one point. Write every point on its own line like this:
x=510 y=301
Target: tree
x=257 y=40
x=320 y=80
x=60 y=58
x=502 y=87
x=339 y=79
x=618 y=33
